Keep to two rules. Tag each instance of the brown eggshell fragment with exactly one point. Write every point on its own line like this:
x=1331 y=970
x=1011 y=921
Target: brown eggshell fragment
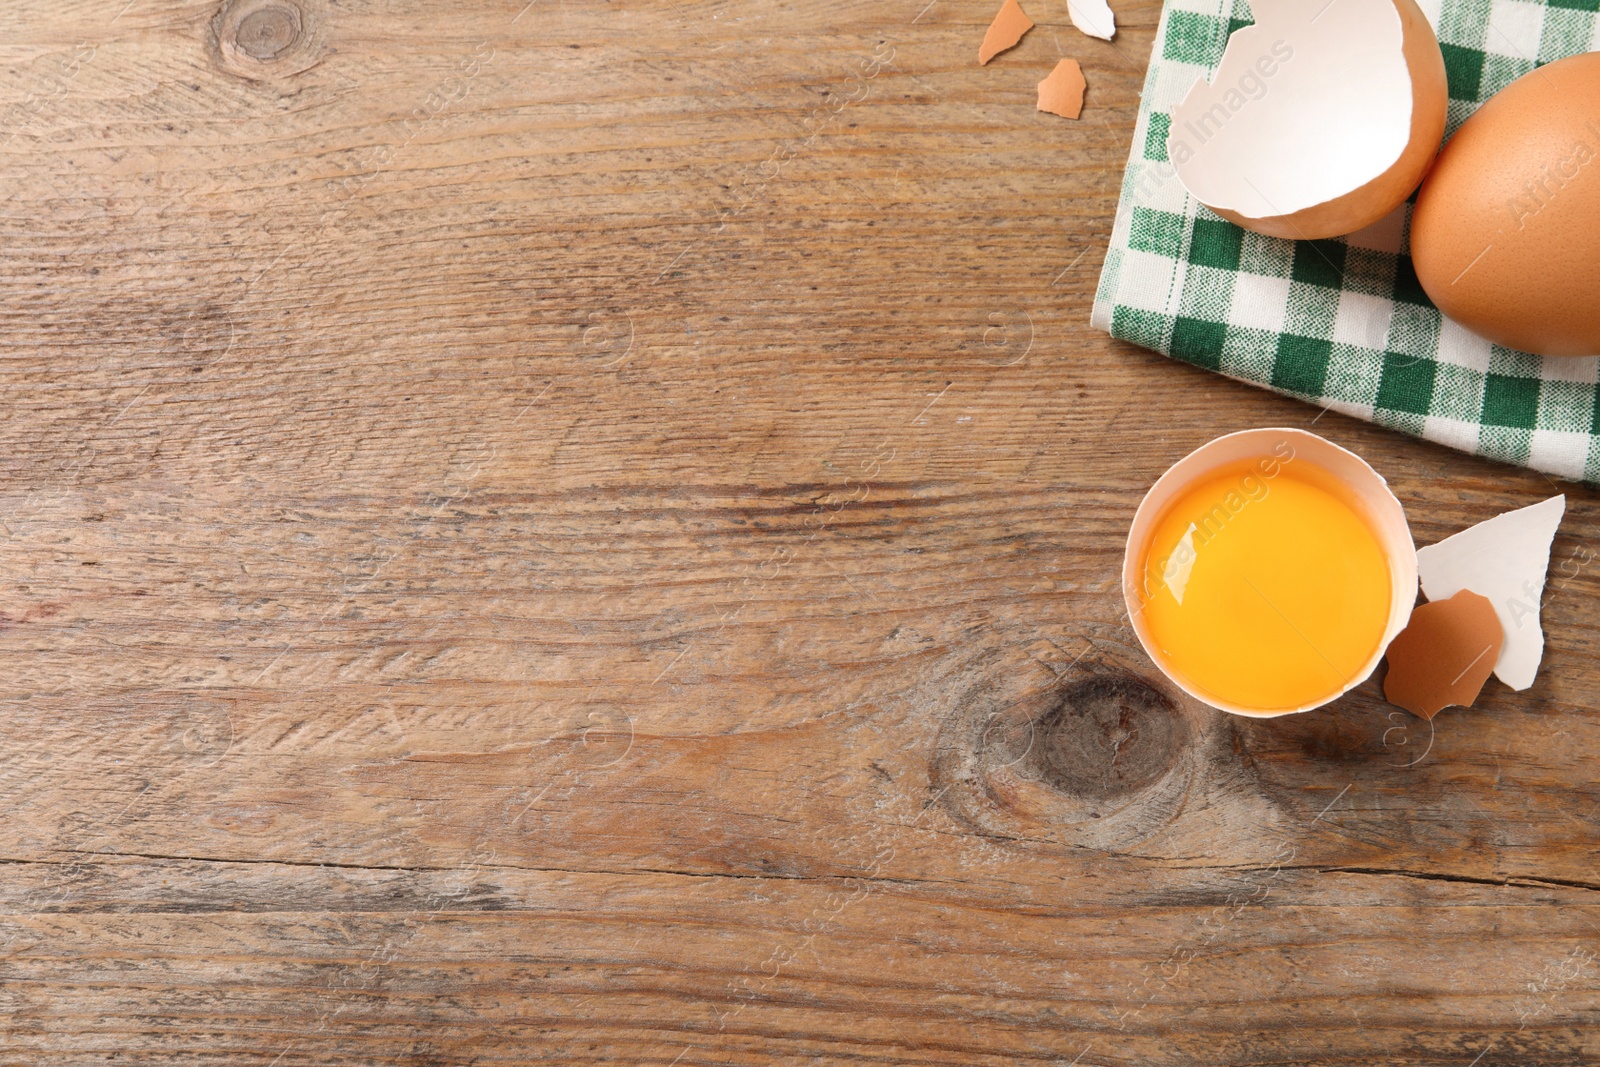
x=1009 y=24
x=1506 y=231
x=1443 y=657
x=1062 y=92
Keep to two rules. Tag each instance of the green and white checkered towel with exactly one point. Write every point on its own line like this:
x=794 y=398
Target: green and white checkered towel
x=1343 y=323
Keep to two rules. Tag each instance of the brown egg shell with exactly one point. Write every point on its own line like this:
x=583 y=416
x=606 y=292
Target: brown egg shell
x=1366 y=204
x=1506 y=231
x=1444 y=655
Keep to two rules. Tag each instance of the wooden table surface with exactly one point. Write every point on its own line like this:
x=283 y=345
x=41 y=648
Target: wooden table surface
x=588 y=533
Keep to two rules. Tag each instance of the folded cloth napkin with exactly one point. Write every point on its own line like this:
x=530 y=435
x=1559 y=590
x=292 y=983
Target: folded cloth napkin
x=1343 y=323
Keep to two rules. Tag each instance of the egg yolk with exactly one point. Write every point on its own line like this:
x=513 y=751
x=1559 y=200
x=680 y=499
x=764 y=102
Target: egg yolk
x=1264 y=587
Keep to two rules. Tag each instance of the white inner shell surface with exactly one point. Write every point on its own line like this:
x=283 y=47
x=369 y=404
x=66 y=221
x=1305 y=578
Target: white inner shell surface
x=1093 y=17
x=1505 y=559
x=1309 y=103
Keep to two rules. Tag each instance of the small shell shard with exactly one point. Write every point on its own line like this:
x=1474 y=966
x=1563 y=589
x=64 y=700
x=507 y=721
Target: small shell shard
x=1062 y=92
x=1444 y=655
x=1093 y=17
x=1009 y=24
x=1505 y=559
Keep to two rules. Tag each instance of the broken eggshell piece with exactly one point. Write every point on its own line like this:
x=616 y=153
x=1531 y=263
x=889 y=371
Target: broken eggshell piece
x=1009 y=24
x=1444 y=655
x=1321 y=118
x=1368 y=493
x=1093 y=17
x=1505 y=559
x=1062 y=92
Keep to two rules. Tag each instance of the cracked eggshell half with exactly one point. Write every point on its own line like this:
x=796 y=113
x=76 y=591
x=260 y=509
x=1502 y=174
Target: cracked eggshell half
x=1321 y=118
x=1364 y=490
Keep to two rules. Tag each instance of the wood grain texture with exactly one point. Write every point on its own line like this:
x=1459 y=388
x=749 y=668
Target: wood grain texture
x=588 y=533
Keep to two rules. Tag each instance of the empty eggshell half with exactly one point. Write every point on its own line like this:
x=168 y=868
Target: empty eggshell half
x=1320 y=120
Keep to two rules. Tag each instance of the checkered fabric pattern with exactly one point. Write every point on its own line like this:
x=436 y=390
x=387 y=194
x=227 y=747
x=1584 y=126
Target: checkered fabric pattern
x=1343 y=323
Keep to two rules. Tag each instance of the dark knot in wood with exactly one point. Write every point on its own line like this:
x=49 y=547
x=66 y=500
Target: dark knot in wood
x=269 y=39
x=268 y=31
x=1108 y=736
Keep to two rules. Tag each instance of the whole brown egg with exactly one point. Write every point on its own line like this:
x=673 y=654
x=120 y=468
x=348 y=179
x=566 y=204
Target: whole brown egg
x=1506 y=231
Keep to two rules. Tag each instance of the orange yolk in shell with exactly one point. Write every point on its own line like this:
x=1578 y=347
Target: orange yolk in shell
x=1267 y=591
